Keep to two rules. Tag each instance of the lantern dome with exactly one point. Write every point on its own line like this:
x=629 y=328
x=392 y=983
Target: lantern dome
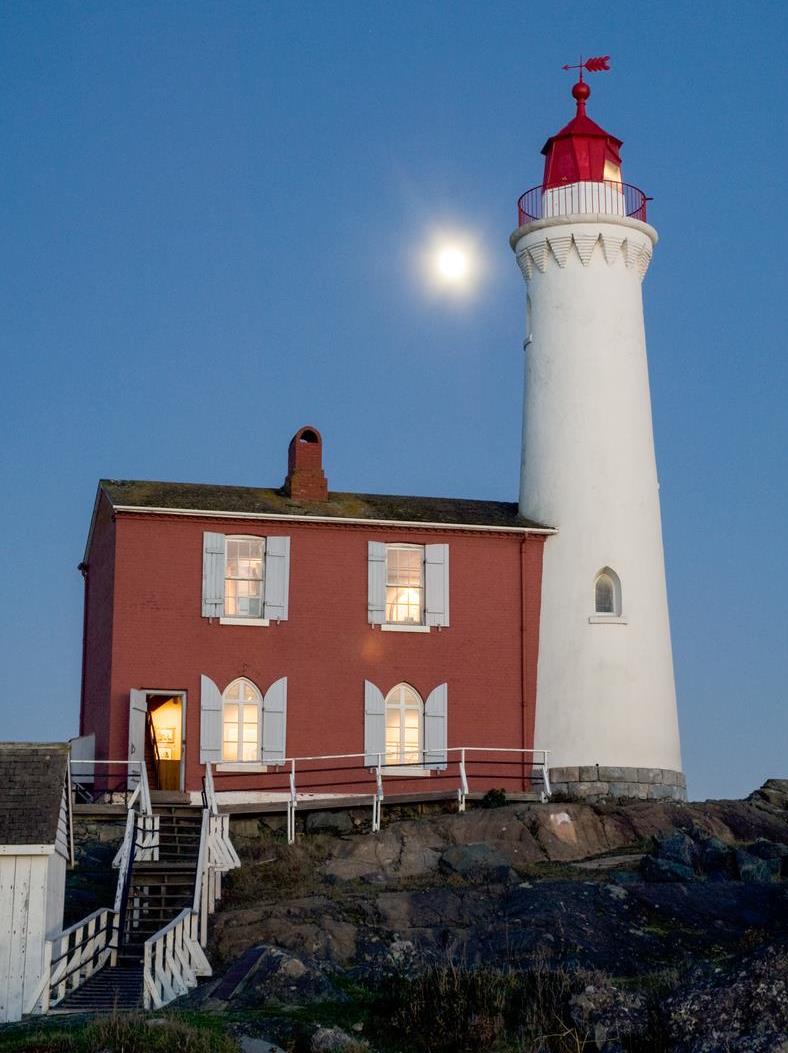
x=581 y=151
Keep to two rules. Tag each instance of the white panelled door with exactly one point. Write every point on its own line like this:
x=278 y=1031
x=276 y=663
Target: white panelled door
x=138 y=710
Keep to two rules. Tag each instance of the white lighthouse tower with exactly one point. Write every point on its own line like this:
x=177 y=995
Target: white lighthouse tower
x=606 y=703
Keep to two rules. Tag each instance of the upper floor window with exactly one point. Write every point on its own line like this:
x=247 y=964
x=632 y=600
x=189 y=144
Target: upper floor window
x=245 y=578
x=408 y=586
x=405 y=584
x=244 y=573
x=241 y=720
x=607 y=593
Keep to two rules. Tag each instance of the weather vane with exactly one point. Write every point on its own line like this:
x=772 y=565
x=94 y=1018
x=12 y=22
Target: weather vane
x=593 y=65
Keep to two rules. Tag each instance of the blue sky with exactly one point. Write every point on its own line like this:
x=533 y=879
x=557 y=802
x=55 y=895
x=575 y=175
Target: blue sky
x=210 y=216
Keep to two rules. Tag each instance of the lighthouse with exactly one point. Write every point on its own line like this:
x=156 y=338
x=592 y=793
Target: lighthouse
x=606 y=703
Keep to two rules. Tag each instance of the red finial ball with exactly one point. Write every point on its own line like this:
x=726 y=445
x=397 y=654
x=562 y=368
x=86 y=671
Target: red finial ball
x=581 y=91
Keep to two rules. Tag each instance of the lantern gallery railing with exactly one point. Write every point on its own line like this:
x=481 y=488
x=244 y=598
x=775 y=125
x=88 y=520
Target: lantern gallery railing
x=349 y=774
x=605 y=198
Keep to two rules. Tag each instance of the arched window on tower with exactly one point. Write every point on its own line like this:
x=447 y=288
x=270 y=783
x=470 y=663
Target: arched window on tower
x=607 y=593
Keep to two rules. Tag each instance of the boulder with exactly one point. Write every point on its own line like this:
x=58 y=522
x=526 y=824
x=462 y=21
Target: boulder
x=329 y=823
x=616 y=1020
x=654 y=869
x=677 y=847
x=717 y=860
x=335 y=1040
x=476 y=860
x=751 y=868
x=285 y=978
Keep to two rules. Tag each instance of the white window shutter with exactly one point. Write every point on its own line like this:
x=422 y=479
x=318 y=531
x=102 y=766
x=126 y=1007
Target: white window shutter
x=212 y=575
x=436 y=584
x=435 y=721
x=277 y=577
x=275 y=722
x=374 y=724
x=376 y=587
x=210 y=722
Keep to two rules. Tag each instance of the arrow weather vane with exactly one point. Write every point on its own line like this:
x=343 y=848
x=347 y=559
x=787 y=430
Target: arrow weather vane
x=593 y=65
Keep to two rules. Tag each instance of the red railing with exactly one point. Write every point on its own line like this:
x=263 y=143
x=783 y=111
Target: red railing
x=607 y=197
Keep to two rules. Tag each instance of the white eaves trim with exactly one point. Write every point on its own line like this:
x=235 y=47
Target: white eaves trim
x=203 y=513
x=27 y=850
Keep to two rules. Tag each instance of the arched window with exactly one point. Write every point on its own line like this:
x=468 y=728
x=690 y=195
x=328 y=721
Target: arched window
x=607 y=592
x=241 y=720
x=404 y=725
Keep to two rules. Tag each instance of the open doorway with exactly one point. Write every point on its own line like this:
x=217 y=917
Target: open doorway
x=157 y=725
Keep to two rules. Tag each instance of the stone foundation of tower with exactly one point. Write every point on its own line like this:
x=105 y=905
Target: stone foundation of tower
x=597 y=782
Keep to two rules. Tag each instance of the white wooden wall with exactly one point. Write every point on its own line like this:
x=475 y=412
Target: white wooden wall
x=23 y=923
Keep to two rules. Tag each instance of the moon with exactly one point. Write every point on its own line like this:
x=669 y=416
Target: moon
x=452 y=263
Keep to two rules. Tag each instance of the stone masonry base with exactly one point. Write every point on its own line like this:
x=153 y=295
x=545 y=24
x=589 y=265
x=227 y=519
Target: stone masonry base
x=595 y=782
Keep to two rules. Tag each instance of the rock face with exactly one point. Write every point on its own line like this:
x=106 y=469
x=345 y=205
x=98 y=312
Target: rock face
x=740 y=1006
x=642 y=892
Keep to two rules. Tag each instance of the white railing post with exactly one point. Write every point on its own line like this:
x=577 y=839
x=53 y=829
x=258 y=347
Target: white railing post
x=377 y=798
x=462 y=791
x=546 y=777
x=145 y=801
x=292 y=804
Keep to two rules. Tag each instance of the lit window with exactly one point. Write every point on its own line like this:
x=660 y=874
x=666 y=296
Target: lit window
x=404 y=724
x=241 y=721
x=607 y=593
x=243 y=577
x=405 y=584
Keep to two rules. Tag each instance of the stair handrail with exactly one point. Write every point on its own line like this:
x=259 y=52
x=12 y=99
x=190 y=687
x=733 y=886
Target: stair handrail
x=209 y=793
x=75 y=954
x=124 y=881
x=172 y=961
x=200 y=898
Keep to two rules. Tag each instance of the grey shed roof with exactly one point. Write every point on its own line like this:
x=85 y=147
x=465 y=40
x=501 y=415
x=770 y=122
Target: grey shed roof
x=32 y=776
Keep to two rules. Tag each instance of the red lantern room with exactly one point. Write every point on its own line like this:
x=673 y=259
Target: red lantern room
x=582 y=151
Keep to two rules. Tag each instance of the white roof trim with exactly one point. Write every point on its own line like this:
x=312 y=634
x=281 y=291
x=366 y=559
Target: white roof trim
x=201 y=513
x=26 y=850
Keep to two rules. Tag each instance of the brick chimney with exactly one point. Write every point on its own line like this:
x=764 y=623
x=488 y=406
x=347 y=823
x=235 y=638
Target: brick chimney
x=306 y=480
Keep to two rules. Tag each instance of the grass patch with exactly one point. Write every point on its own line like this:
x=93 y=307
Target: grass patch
x=119 y=1033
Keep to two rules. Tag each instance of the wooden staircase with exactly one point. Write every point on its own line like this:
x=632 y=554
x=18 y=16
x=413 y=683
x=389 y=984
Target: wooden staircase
x=158 y=891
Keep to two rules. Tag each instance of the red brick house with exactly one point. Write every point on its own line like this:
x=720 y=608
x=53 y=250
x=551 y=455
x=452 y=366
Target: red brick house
x=244 y=626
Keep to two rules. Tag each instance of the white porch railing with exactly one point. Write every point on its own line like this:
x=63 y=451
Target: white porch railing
x=132 y=784
x=77 y=953
x=533 y=762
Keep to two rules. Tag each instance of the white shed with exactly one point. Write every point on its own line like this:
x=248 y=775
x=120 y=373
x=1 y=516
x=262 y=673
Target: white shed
x=35 y=847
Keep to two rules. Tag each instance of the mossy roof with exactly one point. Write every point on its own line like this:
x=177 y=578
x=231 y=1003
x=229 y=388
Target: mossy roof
x=32 y=777
x=260 y=501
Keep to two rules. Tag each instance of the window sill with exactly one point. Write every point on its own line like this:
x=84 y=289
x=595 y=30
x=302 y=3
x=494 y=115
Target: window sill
x=242 y=766
x=392 y=628
x=607 y=619
x=244 y=621
x=404 y=769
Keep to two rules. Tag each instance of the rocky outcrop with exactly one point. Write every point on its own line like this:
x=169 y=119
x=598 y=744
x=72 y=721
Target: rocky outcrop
x=651 y=893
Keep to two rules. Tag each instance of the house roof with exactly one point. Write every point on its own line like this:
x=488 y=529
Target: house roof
x=246 y=500
x=32 y=776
